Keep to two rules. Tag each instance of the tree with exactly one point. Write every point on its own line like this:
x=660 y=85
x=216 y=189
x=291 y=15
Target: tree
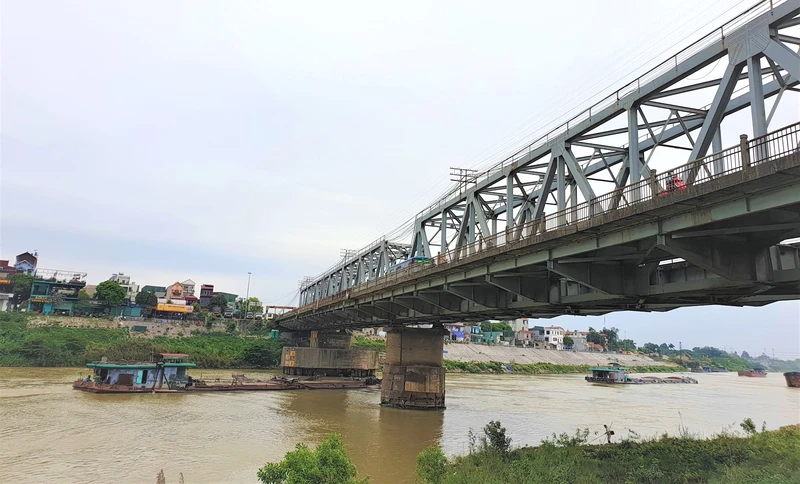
x=501 y=326
x=650 y=348
x=111 y=293
x=708 y=352
x=488 y=327
x=568 y=341
x=327 y=464
x=626 y=345
x=218 y=301
x=146 y=299
x=83 y=295
x=495 y=437
x=745 y=355
x=22 y=287
x=595 y=337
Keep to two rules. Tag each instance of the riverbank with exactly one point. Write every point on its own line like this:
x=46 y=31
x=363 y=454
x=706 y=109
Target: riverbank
x=58 y=346
x=510 y=354
x=746 y=456
x=494 y=367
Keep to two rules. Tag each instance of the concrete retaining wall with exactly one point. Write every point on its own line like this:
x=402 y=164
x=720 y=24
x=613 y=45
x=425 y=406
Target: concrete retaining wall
x=505 y=354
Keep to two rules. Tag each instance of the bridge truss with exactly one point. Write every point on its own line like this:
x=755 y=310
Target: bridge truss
x=660 y=120
x=645 y=124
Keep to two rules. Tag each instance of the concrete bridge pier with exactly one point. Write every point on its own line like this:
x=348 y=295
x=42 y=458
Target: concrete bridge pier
x=413 y=375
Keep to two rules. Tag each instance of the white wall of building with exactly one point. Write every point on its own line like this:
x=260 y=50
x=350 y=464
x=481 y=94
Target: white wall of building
x=131 y=288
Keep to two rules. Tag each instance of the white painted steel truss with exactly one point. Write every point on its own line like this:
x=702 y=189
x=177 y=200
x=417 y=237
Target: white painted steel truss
x=662 y=119
x=619 y=140
x=367 y=264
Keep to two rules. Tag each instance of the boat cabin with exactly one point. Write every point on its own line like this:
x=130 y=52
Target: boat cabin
x=169 y=368
x=613 y=373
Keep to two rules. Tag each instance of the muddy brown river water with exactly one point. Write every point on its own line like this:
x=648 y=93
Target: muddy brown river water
x=51 y=433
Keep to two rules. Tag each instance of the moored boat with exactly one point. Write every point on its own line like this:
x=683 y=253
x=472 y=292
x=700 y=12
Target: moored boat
x=755 y=372
x=167 y=374
x=792 y=378
x=616 y=374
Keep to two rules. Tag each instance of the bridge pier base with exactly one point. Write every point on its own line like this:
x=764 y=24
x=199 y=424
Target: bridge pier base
x=413 y=375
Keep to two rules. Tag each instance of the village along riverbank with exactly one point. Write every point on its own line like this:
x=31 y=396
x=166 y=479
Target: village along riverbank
x=56 y=343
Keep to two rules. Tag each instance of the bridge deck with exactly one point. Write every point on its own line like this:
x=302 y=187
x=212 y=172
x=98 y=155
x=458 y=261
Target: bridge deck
x=554 y=265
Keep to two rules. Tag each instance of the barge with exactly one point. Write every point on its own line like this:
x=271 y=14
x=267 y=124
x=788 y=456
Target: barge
x=755 y=373
x=167 y=374
x=792 y=378
x=617 y=375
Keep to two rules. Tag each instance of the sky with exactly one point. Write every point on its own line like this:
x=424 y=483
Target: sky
x=209 y=139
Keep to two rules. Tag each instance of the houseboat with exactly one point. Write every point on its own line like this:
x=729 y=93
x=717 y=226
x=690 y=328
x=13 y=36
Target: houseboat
x=792 y=378
x=755 y=372
x=616 y=374
x=167 y=373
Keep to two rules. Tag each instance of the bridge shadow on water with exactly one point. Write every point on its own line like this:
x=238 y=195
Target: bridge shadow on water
x=383 y=442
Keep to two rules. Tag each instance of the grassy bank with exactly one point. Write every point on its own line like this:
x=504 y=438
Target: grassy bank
x=538 y=368
x=765 y=457
x=59 y=346
x=372 y=344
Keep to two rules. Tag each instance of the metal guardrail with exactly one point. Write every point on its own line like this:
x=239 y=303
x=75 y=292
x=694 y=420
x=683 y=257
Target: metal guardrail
x=748 y=153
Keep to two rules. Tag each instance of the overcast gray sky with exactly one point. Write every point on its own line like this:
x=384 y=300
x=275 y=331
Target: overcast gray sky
x=206 y=139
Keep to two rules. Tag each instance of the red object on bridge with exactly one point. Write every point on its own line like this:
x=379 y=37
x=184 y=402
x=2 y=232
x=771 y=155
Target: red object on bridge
x=674 y=184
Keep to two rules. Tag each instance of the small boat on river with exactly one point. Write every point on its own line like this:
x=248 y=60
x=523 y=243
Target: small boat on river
x=167 y=374
x=792 y=378
x=755 y=373
x=615 y=374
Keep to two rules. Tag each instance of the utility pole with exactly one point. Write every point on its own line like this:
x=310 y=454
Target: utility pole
x=680 y=351
x=247 y=297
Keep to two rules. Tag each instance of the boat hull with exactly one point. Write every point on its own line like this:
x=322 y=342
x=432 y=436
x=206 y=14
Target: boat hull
x=792 y=378
x=93 y=387
x=642 y=381
x=753 y=374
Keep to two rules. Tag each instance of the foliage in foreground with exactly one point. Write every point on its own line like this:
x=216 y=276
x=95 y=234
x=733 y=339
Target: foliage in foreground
x=62 y=346
x=539 y=368
x=765 y=457
x=327 y=464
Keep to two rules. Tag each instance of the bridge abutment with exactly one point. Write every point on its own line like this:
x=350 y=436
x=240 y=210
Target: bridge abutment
x=413 y=375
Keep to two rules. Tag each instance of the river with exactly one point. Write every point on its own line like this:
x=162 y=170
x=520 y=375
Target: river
x=51 y=433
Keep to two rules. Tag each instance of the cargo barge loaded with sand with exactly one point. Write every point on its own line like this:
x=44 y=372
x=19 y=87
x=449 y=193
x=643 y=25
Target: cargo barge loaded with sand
x=168 y=374
x=618 y=375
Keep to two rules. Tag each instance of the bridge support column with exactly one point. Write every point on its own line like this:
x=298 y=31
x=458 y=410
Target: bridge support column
x=413 y=375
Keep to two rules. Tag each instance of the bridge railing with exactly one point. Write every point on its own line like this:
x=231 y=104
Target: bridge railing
x=748 y=153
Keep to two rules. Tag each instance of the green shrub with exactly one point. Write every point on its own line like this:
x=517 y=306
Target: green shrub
x=431 y=465
x=327 y=464
x=363 y=342
x=763 y=457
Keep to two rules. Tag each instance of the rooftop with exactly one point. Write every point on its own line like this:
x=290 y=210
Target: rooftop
x=59 y=275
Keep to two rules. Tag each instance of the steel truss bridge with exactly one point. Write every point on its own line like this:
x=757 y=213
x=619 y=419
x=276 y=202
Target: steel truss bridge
x=580 y=222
